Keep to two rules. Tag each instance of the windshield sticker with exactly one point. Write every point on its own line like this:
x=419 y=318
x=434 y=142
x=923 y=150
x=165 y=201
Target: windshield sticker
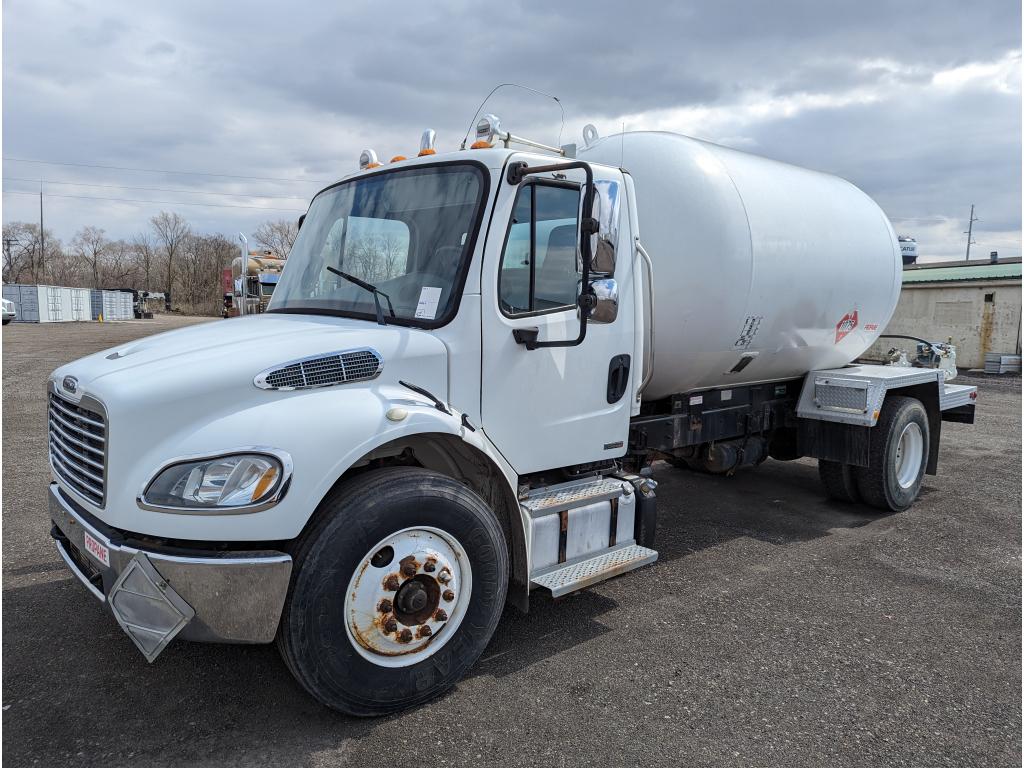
x=427 y=307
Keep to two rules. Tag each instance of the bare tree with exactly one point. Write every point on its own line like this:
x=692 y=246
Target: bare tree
x=64 y=267
x=171 y=233
x=121 y=267
x=145 y=254
x=22 y=258
x=90 y=246
x=19 y=244
x=198 y=278
x=277 y=236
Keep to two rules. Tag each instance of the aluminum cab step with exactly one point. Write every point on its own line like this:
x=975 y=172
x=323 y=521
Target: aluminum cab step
x=578 y=493
x=570 y=577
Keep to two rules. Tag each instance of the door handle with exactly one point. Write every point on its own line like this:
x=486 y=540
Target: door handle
x=618 y=377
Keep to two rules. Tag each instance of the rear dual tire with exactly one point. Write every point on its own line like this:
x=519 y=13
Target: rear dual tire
x=897 y=460
x=361 y=657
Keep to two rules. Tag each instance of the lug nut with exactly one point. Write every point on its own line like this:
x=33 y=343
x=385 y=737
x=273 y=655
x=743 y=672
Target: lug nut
x=444 y=576
x=423 y=631
x=440 y=615
x=448 y=595
x=384 y=606
x=430 y=565
x=391 y=583
x=405 y=635
x=390 y=626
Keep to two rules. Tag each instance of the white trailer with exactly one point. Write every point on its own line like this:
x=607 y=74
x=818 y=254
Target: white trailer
x=456 y=396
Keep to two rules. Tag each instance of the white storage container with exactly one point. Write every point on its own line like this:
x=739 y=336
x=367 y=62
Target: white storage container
x=80 y=304
x=26 y=302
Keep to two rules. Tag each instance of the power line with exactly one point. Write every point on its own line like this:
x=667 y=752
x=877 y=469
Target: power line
x=164 y=170
x=155 y=189
x=156 y=202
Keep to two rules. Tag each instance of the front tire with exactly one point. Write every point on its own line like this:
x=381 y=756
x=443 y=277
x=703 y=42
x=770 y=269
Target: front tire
x=436 y=554
x=898 y=455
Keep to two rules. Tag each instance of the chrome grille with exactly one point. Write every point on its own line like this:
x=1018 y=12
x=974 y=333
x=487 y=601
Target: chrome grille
x=323 y=370
x=78 y=448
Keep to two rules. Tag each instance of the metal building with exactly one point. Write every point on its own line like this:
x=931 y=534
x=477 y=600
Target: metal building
x=976 y=303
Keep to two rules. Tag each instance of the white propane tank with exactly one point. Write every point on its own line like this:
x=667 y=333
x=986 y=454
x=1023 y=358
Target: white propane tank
x=762 y=271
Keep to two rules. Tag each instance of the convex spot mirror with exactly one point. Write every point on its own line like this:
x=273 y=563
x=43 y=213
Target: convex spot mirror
x=604 y=300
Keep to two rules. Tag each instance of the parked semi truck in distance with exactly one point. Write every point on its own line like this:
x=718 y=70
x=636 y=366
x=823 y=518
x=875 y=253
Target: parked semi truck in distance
x=457 y=393
x=254 y=276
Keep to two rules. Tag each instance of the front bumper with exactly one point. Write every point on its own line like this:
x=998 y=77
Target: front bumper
x=217 y=597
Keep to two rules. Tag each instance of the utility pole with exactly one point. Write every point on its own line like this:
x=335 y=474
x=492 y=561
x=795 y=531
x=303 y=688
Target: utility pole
x=8 y=242
x=970 y=230
x=42 y=236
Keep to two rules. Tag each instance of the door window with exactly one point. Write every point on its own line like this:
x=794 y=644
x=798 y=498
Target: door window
x=540 y=264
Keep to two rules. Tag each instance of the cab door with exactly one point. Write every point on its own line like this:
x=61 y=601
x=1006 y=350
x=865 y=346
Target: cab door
x=556 y=406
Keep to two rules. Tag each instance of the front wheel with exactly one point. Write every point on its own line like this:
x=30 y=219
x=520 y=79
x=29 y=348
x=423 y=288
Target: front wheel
x=396 y=592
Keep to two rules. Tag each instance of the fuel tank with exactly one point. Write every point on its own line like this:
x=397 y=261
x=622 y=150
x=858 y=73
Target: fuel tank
x=762 y=270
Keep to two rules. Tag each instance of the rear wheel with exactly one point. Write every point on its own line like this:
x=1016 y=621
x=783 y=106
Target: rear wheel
x=396 y=591
x=839 y=481
x=898 y=455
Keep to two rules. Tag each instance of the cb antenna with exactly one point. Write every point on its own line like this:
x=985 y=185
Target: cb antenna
x=525 y=88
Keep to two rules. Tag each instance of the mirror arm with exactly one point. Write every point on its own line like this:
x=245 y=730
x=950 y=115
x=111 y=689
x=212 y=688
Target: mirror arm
x=588 y=226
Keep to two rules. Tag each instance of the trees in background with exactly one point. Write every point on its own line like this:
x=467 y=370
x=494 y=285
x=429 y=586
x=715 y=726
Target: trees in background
x=188 y=264
x=277 y=236
x=171 y=231
x=23 y=257
x=90 y=247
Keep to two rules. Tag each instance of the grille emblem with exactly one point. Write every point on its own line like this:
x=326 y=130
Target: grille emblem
x=71 y=384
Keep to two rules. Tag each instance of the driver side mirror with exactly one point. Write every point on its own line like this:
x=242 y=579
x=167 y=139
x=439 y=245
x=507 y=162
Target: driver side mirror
x=605 y=241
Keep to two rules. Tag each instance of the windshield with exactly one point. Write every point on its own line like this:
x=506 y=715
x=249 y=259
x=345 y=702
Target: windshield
x=409 y=233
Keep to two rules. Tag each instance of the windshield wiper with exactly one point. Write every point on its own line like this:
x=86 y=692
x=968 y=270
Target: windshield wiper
x=372 y=289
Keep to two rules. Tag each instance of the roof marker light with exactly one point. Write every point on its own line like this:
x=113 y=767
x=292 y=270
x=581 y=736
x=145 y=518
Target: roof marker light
x=427 y=143
x=398 y=158
x=368 y=159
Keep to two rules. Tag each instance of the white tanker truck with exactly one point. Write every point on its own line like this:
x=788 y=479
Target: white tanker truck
x=467 y=369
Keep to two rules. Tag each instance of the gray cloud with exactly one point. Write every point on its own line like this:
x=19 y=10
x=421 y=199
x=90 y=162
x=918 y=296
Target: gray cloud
x=296 y=93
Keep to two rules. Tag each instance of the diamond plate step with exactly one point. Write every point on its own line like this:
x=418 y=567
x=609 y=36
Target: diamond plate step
x=564 y=579
x=575 y=494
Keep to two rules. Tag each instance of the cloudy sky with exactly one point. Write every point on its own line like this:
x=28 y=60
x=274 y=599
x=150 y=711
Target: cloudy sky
x=916 y=102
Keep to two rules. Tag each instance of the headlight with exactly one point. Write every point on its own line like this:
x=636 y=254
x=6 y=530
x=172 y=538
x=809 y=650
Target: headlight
x=238 y=482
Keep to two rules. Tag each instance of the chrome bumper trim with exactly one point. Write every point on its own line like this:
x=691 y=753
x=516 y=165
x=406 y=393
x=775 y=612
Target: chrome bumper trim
x=81 y=576
x=237 y=597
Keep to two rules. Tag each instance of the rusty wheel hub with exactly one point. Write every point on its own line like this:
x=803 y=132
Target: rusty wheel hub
x=408 y=596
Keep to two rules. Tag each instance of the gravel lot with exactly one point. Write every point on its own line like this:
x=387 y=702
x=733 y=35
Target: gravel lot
x=775 y=629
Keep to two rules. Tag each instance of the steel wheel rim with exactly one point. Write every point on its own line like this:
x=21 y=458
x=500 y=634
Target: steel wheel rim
x=379 y=618
x=909 y=455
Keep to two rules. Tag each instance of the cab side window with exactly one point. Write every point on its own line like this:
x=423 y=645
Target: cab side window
x=540 y=264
